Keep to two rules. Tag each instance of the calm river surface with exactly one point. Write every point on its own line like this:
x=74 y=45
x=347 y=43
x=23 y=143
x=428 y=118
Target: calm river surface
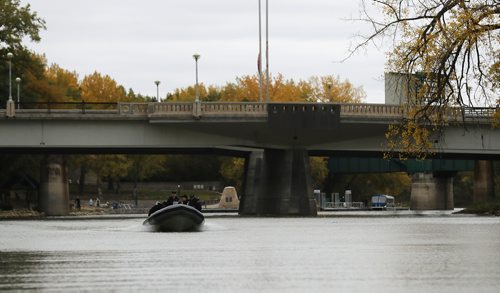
x=232 y=254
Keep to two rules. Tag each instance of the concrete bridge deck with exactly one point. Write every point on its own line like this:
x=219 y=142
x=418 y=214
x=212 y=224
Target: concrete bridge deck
x=318 y=128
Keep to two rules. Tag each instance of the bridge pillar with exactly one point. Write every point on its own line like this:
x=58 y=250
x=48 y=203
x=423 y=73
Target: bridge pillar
x=432 y=191
x=278 y=183
x=54 y=189
x=483 y=182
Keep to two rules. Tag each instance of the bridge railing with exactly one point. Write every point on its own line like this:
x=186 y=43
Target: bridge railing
x=172 y=108
x=375 y=110
x=188 y=110
x=51 y=107
x=233 y=107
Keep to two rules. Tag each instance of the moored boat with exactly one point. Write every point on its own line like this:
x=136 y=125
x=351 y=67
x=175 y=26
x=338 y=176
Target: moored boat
x=175 y=218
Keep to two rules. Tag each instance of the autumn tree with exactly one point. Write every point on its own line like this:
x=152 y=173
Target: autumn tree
x=447 y=51
x=188 y=94
x=330 y=89
x=102 y=88
x=65 y=81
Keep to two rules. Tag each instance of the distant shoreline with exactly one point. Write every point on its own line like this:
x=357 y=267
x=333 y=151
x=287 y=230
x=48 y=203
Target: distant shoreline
x=105 y=213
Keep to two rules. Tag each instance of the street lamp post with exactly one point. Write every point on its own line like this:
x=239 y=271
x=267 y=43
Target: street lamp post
x=9 y=58
x=10 y=107
x=18 y=81
x=196 y=57
x=157 y=82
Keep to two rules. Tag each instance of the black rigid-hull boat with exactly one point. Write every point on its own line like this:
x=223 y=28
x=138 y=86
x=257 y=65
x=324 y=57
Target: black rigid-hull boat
x=175 y=218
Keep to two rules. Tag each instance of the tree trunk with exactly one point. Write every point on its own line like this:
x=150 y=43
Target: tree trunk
x=83 y=173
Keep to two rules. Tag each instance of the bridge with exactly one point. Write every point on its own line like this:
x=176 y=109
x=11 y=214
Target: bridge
x=276 y=139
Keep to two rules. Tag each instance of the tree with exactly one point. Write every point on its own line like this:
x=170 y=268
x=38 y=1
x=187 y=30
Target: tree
x=232 y=170
x=98 y=88
x=449 y=49
x=319 y=170
x=64 y=80
x=330 y=89
x=17 y=23
x=111 y=166
x=143 y=166
x=188 y=94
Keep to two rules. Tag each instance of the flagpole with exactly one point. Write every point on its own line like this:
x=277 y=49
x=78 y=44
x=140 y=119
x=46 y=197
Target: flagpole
x=267 y=51
x=259 y=65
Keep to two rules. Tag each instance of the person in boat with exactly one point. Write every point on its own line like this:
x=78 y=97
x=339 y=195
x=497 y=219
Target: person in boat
x=170 y=201
x=156 y=207
x=184 y=200
x=195 y=202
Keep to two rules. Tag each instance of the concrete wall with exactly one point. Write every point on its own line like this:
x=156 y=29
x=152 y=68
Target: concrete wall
x=431 y=192
x=278 y=182
x=483 y=182
x=54 y=191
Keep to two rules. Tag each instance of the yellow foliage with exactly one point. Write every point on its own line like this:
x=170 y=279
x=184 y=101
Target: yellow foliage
x=246 y=89
x=98 y=88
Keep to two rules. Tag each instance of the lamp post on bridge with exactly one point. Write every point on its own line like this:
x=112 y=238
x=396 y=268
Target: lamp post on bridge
x=157 y=82
x=18 y=82
x=11 y=107
x=197 y=106
x=196 y=57
x=9 y=60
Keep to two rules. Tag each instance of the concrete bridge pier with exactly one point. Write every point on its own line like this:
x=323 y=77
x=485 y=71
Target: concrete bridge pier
x=278 y=183
x=54 y=189
x=483 y=182
x=432 y=191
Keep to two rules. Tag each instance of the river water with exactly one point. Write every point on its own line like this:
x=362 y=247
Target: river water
x=356 y=253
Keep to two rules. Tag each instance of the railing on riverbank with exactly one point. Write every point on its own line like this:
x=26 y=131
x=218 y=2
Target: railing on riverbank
x=343 y=205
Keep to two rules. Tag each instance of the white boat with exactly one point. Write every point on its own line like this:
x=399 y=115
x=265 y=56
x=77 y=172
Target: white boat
x=382 y=201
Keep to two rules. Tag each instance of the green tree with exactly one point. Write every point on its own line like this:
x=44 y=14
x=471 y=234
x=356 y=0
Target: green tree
x=189 y=168
x=319 y=170
x=112 y=167
x=18 y=22
x=142 y=167
x=365 y=185
x=232 y=170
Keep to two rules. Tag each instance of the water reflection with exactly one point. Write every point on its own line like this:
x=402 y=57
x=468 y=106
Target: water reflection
x=445 y=254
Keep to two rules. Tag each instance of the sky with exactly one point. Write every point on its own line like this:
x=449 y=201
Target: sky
x=138 y=42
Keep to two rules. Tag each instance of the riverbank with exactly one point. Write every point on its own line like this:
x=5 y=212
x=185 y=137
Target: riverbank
x=84 y=211
x=486 y=209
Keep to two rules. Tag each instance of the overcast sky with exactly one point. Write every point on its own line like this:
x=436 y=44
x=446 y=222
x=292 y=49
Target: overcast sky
x=138 y=42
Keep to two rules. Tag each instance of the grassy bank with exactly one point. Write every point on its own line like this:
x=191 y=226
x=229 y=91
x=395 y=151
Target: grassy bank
x=488 y=209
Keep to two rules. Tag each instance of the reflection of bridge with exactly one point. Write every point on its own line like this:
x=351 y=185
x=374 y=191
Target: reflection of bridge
x=276 y=139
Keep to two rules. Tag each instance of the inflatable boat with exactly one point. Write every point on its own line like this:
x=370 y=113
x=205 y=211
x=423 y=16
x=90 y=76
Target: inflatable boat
x=175 y=218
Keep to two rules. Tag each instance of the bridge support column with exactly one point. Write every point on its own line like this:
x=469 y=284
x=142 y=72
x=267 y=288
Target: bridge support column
x=432 y=191
x=278 y=183
x=54 y=189
x=483 y=182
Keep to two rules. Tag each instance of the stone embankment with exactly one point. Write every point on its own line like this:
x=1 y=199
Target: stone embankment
x=84 y=211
